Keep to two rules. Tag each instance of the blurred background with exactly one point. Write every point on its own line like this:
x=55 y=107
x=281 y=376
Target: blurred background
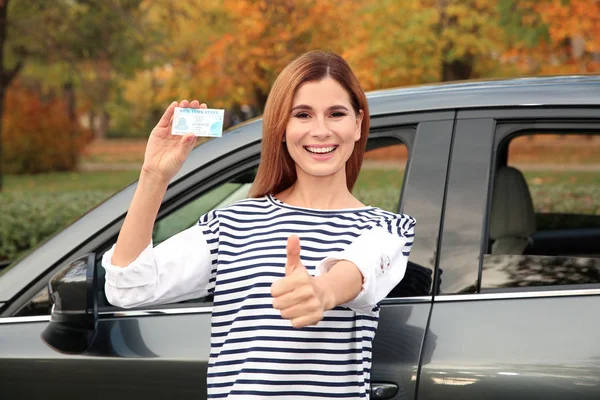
x=82 y=82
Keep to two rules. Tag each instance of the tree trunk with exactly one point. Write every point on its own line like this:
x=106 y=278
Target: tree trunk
x=104 y=120
x=457 y=70
x=260 y=99
x=3 y=84
x=2 y=91
x=92 y=121
x=69 y=93
x=6 y=77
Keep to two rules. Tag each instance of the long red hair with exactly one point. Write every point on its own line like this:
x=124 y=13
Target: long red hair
x=277 y=170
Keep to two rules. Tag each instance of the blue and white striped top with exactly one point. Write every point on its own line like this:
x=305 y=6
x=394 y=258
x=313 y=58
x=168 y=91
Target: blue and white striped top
x=237 y=253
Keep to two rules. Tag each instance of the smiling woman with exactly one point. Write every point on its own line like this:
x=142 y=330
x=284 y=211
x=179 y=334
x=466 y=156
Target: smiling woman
x=318 y=100
x=321 y=138
x=281 y=312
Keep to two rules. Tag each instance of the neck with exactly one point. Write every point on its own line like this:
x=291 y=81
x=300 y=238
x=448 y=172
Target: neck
x=320 y=192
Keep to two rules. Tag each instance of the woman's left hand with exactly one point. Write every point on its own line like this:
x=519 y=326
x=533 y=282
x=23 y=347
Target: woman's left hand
x=301 y=297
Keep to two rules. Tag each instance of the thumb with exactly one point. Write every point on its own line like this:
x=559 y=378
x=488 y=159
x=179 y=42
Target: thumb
x=186 y=144
x=189 y=140
x=293 y=255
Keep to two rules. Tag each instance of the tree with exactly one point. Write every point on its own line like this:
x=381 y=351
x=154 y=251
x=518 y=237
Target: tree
x=173 y=71
x=6 y=74
x=228 y=52
x=88 y=46
x=266 y=36
x=553 y=36
x=420 y=41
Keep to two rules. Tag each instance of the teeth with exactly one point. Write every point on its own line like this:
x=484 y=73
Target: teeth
x=320 y=150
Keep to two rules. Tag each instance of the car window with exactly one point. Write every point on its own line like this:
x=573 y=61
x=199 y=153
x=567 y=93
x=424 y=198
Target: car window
x=544 y=224
x=37 y=305
x=188 y=215
x=379 y=184
x=380 y=180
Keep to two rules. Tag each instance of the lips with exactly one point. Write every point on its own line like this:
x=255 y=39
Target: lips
x=320 y=149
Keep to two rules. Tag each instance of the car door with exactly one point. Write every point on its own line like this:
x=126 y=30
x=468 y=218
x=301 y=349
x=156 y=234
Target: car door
x=162 y=352
x=397 y=347
x=514 y=318
x=153 y=352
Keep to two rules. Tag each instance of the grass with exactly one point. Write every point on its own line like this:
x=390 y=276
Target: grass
x=565 y=192
x=568 y=178
x=379 y=188
x=36 y=206
x=108 y=182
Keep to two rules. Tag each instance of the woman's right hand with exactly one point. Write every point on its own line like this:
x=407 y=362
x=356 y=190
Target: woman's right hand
x=166 y=153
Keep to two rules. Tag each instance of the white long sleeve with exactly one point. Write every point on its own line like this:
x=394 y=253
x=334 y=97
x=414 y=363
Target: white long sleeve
x=381 y=254
x=180 y=268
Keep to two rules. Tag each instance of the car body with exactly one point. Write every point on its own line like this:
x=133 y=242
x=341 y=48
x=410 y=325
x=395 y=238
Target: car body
x=451 y=330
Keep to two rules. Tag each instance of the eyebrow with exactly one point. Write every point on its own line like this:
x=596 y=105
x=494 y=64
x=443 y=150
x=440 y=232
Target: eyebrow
x=307 y=107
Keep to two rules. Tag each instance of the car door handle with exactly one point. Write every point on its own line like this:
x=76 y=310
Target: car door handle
x=382 y=391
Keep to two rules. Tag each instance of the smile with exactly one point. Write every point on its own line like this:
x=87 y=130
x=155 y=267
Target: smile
x=320 y=150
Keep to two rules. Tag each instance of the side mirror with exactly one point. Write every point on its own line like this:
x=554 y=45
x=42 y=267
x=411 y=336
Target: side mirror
x=74 y=316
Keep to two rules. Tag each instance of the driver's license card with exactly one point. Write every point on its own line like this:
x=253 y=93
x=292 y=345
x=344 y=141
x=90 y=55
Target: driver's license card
x=199 y=121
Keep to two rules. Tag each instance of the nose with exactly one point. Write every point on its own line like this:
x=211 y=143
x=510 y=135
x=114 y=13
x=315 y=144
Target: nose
x=321 y=129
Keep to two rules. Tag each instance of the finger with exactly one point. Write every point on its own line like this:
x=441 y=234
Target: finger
x=293 y=255
x=203 y=105
x=292 y=298
x=167 y=116
x=309 y=307
x=289 y=284
x=184 y=104
x=188 y=142
x=282 y=286
x=195 y=104
x=306 y=320
x=286 y=300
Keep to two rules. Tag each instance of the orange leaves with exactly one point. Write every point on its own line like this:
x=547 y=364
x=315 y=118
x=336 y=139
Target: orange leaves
x=574 y=36
x=267 y=36
x=38 y=135
x=230 y=51
x=414 y=41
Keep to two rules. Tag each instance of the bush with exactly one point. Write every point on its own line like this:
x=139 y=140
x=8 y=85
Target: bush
x=38 y=136
x=28 y=219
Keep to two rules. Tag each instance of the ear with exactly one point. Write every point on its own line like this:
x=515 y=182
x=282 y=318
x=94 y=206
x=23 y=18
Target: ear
x=359 y=119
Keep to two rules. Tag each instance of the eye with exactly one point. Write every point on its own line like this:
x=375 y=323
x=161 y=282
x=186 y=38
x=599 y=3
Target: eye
x=302 y=115
x=338 y=114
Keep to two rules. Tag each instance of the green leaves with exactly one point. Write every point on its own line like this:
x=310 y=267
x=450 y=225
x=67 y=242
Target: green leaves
x=26 y=220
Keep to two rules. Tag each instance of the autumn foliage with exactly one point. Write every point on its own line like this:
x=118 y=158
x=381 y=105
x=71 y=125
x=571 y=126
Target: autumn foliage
x=227 y=53
x=553 y=36
x=38 y=134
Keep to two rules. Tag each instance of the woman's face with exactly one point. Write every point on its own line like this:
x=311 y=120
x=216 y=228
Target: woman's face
x=322 y=128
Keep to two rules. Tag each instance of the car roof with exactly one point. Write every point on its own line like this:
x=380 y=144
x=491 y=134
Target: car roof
x=580 y=90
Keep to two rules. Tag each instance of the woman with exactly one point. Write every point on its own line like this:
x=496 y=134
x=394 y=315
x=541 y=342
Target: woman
x=287 y=322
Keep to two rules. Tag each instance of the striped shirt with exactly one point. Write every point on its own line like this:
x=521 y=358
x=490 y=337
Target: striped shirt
x=238 y=252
